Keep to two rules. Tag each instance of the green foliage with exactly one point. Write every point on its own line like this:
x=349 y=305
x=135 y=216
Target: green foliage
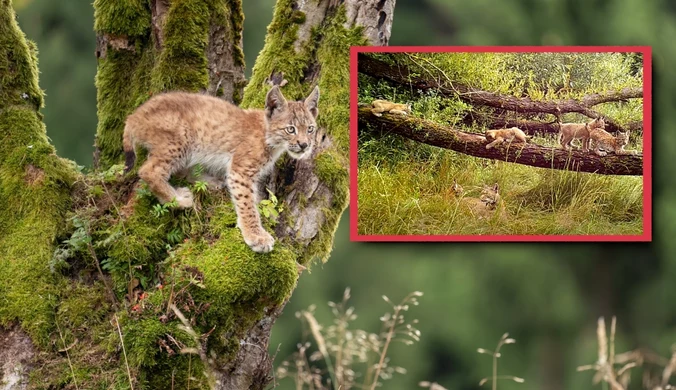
x=270 y=207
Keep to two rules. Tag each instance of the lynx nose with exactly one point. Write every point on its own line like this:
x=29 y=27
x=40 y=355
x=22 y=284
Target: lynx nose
x=302 y=145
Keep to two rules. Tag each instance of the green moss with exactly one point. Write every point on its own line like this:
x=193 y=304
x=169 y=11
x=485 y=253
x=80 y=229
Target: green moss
x=182 y=64
x=34 y=189
x=238 y=284
x=18 y=64
x=122 y=84
x=122 y=17
x=279 y=54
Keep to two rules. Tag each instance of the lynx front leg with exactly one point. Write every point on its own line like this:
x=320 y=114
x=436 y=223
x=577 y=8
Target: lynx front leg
x=398 y=112
x=496 y=142
x=156 y=172
x=248 y=220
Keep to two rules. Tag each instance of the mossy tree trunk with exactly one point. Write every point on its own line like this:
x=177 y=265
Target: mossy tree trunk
x=193 y=305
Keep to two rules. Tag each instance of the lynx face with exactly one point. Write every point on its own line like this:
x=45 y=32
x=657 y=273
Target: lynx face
x=490 y=196
x=292 y=124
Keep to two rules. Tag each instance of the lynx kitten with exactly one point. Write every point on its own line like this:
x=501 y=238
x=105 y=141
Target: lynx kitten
x=181 y=130
x=602 y=139
x=501 y=135
x=380 y=106
x=487 y=204
x=571 y=131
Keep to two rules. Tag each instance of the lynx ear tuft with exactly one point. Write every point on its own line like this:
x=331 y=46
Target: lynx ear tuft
x=274 y=101
x=496 y=188
x=312 y=102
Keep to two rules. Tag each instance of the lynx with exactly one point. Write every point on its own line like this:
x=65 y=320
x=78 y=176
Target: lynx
x=571 y=131
x=501 y=135
x=602 y=139
x=380 y=106
x=181 y=130
x=487 y=204
x=457 y=189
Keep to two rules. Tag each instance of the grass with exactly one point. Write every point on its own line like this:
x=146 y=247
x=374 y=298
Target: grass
x=404 y=188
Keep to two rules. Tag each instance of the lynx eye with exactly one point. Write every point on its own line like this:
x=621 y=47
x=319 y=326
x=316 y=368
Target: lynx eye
x=291 y=129
x=310 y=129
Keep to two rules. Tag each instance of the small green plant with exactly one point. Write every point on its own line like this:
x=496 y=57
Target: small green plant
x=160 y=209
x=80 y=242
x=200 y=187
x=270 y=207
x=505 y=339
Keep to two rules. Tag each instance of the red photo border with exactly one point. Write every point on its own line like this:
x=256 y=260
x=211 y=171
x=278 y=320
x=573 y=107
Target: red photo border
x=647 y=145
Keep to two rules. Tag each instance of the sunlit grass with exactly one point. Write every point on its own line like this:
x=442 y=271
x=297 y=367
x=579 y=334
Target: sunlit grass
x=410 y=194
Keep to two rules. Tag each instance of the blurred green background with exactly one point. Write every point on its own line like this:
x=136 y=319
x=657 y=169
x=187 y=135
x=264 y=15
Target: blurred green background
x=547 y=296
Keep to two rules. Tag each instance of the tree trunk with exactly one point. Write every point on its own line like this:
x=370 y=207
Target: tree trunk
x=194 y=305
x=400 y=74
x=521 y=153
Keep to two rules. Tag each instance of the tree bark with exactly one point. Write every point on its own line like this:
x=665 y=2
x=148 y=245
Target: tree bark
x=219 y=331
x=521 y=153
x=401 y=74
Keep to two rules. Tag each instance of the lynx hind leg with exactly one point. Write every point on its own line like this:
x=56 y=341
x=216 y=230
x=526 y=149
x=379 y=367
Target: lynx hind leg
x=562 y=141
x=248 y=220
x=156 y=172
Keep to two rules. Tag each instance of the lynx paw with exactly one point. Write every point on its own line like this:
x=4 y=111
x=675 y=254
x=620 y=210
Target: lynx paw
x=260 y=243
x=184 y=198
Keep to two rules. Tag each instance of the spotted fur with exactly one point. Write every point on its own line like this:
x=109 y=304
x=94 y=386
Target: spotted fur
x=601 y=139
x=181 y=130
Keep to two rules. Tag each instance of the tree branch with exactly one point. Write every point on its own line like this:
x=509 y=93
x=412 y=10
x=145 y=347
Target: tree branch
x=400 y=74
x=475 y=145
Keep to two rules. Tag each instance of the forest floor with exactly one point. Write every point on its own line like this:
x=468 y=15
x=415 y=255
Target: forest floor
x=405 y=188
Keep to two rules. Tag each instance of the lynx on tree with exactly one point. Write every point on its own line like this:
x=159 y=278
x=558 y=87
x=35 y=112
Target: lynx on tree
x=380 y=106
x=501 y=135
x=181 y=130
x=571 y=131
x=602 y=139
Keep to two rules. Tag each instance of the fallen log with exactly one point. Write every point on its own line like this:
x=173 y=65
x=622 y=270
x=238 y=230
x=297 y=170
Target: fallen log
x=521 y=153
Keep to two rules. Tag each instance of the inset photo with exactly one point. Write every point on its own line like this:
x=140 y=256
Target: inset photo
x=500 y=144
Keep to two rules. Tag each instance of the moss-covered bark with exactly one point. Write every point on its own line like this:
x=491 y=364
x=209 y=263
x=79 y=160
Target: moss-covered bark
x=58 y=226
x=34 y=189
